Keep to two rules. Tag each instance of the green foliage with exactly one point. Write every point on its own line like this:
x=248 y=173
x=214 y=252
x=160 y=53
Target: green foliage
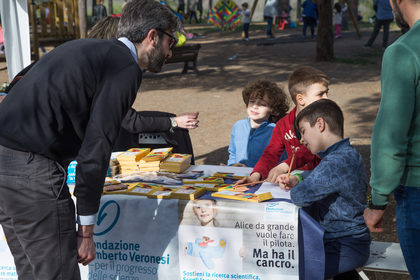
x=3 y=86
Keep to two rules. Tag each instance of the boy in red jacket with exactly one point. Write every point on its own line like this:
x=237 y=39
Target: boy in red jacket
x=306 y=85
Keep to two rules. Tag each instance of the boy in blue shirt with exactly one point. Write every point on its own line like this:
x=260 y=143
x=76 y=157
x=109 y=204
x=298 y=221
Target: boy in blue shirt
x=335 y=190
x=266 y=103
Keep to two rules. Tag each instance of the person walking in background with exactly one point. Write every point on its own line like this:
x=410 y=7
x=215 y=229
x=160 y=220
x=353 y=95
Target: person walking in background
x=200 y=10
x=246 y=19
x=193 y=12
x=99 y=11
x=310 y=17
x=181 y=7
x=338 y=18
x=395 y=149
x=384 y=17
x=270 y=12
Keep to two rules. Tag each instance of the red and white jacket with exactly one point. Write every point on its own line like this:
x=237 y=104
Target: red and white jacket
x=284 y=138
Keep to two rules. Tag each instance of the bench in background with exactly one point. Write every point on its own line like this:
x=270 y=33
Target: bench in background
x=384 y=257
x=52 y=23
x=186 y=53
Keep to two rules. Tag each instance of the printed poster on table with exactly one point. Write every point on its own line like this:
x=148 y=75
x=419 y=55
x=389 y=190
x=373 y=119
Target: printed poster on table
x=148 y=239
x=221 y=239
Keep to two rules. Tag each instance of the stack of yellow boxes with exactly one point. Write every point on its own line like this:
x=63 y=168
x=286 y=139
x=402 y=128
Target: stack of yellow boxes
x=151 y=162
x=176 y=163
x=129 y=160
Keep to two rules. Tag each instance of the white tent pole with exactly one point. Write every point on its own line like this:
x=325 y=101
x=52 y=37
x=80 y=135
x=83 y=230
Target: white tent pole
x=15 y=22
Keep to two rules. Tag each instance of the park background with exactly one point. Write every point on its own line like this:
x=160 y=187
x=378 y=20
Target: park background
x=226 y=64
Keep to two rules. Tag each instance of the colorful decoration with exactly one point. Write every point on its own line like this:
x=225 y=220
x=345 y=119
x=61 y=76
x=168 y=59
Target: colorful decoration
x=225 y=15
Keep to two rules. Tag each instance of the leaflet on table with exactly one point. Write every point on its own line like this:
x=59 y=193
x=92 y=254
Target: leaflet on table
x=274 y=189
x=153 y=177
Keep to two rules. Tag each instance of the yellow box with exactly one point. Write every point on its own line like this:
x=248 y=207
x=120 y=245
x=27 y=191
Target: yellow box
x=204 y=180
x=211 y=187
x=249 y=197
x=228 y=175
x=157 y=155
x=165 y=193
x=188 y=192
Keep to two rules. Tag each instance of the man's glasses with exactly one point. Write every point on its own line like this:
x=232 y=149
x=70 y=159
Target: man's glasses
x=172 y=42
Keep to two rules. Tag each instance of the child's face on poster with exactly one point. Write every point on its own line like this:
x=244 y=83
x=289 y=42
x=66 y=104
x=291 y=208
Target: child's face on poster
x=205 y=211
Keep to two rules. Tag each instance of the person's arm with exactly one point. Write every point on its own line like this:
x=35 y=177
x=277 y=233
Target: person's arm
x=86 y=251
x=303 y=157
x=136 y=122
x=232 y=148
x=317 y=185
x=106 y=114
x=139 y=122
x=391 y=131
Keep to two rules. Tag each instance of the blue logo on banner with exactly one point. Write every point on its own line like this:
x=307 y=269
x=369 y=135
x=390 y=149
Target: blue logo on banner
x=106 y=222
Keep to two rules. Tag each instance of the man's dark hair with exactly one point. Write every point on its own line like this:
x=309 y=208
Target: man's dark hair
x=140 y=16
x=326 y=109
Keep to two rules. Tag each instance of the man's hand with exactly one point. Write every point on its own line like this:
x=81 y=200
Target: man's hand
x=254 y=177
x=274 y=173
x=287 y=182
x=86 y=251
x=374 y=219
x=187 y=120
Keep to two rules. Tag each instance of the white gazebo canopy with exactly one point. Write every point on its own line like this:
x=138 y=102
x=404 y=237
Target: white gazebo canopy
x=15 y=23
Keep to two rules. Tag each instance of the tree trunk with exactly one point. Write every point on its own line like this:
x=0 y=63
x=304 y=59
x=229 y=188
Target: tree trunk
x=298 y=10
x=325 y=36
x=210 y=7
x=82 y=18
x=110 y=7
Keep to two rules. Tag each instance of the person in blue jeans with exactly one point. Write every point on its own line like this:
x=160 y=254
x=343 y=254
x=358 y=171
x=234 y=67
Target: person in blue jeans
x=270 y=12
x=395 y=149
x=384 y=17
x=335 y=191
x=266 y=103
x=309 y=17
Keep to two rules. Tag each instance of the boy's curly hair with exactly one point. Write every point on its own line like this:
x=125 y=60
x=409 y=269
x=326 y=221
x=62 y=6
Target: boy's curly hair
x=277 y=97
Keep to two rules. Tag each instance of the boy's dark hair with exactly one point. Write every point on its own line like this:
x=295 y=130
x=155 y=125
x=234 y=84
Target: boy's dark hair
x=245 y=4
x=303 y=77
x=326 y=109
x=337 y=7
x=140 y=16
x=275 y=94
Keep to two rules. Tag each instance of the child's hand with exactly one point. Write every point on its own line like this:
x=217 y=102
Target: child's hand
x=287 y=182
x=254 y=177
x=280 y=169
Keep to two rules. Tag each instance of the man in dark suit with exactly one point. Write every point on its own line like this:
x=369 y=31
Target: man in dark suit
x=68 y=106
